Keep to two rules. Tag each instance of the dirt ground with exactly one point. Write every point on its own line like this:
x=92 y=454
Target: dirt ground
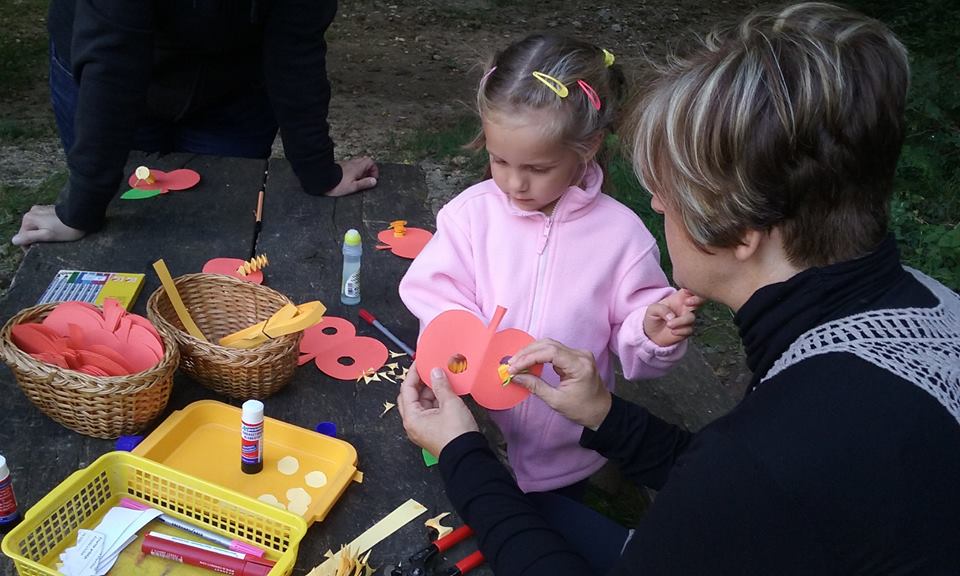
x=397 y=67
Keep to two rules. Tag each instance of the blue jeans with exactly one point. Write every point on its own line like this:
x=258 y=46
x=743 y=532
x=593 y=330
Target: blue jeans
x=596 y=538
x=242 y=127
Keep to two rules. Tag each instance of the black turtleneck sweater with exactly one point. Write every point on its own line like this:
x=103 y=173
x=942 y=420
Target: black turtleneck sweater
x=834 y=466
x=175 y=58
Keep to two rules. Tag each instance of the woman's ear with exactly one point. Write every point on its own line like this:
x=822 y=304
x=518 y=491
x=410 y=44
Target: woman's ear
x=749 y=244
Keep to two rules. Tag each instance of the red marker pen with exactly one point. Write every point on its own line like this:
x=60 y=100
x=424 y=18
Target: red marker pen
x=203 y=555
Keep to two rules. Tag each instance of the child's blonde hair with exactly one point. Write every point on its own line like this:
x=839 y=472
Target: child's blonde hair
x=509 y=87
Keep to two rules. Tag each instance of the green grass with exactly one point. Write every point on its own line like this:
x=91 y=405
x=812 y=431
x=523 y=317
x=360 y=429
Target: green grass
x=23 y=45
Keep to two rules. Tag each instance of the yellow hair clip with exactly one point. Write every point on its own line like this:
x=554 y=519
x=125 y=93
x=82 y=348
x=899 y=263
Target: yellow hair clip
x=608 y=58
x=552 y=83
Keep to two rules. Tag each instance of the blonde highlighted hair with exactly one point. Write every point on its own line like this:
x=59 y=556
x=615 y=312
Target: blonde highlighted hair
x=793 y=119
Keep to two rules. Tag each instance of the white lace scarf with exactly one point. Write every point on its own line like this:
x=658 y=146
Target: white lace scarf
x=920 y=345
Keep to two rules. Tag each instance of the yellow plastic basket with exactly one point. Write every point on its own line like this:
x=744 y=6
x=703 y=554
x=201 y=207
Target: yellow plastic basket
x=80 y=501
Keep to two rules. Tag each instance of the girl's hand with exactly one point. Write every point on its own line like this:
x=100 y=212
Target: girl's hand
x=671 y=320
x=432 y=418
x=580 y=395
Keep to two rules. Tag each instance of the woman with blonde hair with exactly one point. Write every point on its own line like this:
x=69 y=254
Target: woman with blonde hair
x=771 y=152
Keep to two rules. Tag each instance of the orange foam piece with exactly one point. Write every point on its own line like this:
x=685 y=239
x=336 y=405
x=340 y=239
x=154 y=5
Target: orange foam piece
x=408 y=245
x=166 y=181
x=68 y=313
x=228 y=267
x=335 y=339
x=459 y=333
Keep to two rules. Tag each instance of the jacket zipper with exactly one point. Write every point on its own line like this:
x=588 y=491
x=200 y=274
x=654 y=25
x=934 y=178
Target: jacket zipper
x=541 y=269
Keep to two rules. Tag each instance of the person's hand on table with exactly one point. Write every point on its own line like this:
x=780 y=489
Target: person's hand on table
x=671 y=320
x=41 y=224
x=358 y=174
x=580 y=396
x=432 y=418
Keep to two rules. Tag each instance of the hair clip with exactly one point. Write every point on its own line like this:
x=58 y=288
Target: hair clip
x=552 y=83
x=608 y=58
x=592 y=95
x=486 y=75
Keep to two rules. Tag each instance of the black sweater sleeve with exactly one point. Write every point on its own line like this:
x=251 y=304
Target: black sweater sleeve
x=111 y=56
x=643 y=445
x=295 y=68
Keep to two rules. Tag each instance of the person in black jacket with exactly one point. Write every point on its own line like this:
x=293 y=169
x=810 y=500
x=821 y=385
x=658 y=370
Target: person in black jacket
x=204 y=76
x=770 y=151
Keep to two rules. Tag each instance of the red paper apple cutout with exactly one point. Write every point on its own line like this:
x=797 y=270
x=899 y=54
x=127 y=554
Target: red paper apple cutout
x=402 y=241
x=470 y=354
x=338 y=352
x=228 y=267
x=158 y=182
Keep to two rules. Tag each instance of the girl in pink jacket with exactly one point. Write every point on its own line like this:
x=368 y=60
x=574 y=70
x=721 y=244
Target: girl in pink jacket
x=540 y=239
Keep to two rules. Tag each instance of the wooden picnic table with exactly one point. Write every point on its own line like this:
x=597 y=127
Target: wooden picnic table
x=302 y=237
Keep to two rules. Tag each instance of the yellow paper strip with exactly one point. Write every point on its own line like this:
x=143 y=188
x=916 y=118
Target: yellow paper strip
x=392 y=522
x=358 y=477
x=171 y=289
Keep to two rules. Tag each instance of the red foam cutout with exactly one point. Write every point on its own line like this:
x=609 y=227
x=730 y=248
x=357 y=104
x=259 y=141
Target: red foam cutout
x=166 y=181
x=228 y=267
x=408 y=245
x=326 y=350
x=459 y=333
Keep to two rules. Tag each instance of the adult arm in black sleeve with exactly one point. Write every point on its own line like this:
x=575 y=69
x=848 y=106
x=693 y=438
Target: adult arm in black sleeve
x=111 y=59
x=514 y=538
x=295 y=69
x=644 y=446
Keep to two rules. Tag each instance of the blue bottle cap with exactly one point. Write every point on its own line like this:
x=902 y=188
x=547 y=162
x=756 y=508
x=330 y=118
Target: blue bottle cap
x=128 y=443
x=327 y=429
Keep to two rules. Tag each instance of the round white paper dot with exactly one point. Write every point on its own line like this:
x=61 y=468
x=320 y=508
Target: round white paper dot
x=288 y=465
x=316 y=479
x=272 y=500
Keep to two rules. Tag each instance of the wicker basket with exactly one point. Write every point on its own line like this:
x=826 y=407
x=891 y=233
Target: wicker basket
x=221 y=305
x=102 y=407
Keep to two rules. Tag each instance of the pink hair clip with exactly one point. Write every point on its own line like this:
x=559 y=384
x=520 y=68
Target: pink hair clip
x=592 y=95
x=483 y=79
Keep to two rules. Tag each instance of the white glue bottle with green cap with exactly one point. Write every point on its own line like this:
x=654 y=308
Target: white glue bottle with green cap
x=350 y=283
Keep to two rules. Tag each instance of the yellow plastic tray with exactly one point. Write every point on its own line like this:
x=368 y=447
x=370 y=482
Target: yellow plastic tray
x=203 y=440
x=80 y=501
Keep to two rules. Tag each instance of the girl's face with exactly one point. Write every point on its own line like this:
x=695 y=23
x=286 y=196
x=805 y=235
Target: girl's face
x=532 y=170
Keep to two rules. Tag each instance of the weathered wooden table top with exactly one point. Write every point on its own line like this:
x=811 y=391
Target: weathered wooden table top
x=302 y=236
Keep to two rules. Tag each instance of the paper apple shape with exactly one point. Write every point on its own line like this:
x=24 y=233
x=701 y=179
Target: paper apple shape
x=159 y=182
x=338 y=352
x=228 y=267
x=402 y=241
x=470 y=354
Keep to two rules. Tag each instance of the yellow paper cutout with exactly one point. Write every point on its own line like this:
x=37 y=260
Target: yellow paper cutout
x=392 y=522
x=171 y=289
x=288 y=320
x=386 y=408
x=435 y=524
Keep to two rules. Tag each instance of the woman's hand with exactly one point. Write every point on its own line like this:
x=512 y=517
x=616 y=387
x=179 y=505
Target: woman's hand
x=581 y=396
x=432 y=418
x=671 y=320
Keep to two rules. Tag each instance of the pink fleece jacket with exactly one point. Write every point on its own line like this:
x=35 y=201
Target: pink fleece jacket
x=583 y=276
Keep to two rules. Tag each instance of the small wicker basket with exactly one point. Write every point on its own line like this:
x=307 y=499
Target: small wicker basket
x=221 y=305
x=102 y=407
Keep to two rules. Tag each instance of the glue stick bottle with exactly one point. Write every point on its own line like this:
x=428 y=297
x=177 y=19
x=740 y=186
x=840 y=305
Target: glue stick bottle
x=9 y=515
x=251 y=437
x=350 y=283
